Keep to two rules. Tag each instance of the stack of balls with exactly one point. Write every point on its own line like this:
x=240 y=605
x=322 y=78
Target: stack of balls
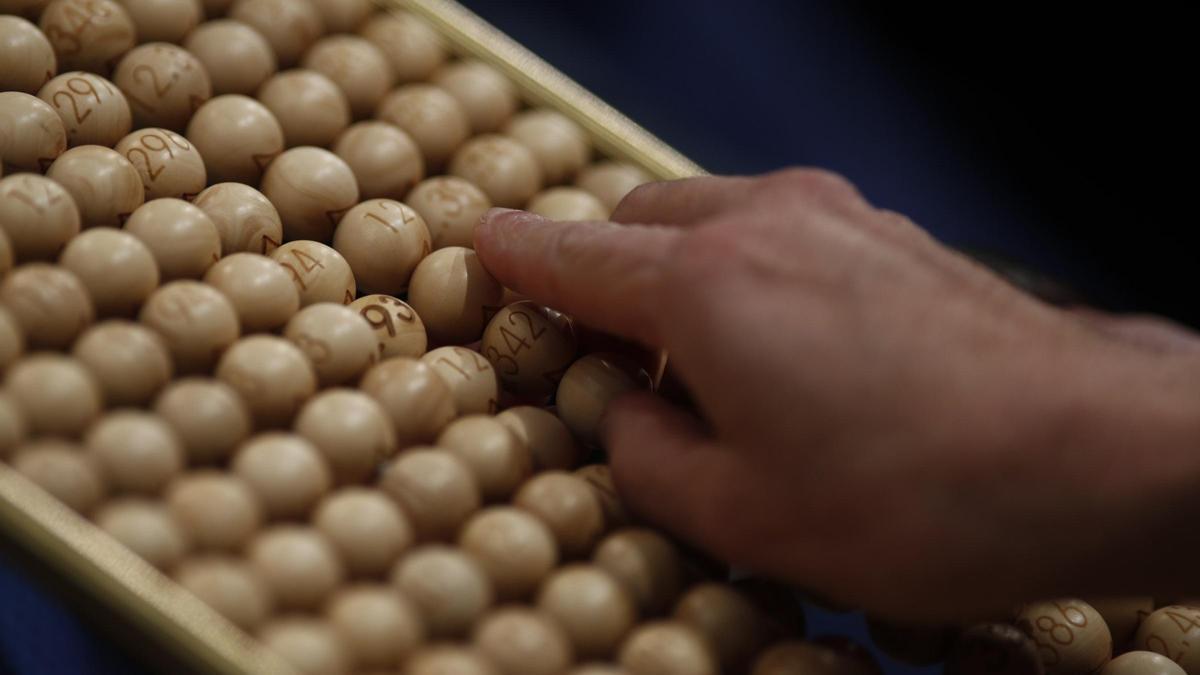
x=243 y=331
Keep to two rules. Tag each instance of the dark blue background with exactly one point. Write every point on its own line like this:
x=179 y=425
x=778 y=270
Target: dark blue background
x=1041 y=137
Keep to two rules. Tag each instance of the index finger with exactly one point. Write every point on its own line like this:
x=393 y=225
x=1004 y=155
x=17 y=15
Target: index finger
x=606 y=275
x=681 y=202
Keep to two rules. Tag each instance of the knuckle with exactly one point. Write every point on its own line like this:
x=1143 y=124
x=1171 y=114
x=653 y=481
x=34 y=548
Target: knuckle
x=812 y=181
x=633 y=204
x=701 y=255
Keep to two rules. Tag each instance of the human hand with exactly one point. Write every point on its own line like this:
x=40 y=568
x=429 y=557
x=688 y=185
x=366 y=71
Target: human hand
x=886 y=422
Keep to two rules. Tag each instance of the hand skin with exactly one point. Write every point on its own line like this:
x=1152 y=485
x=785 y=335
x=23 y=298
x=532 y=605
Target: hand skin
x=887 y=423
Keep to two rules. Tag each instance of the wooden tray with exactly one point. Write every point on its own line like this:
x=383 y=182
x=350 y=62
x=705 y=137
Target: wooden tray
x=133 y=602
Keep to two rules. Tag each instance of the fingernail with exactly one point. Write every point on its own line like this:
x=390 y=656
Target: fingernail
x=496 y=212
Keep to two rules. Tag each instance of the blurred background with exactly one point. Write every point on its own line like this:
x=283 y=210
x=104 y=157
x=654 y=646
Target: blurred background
x=1036 y=131
x=1055 y=138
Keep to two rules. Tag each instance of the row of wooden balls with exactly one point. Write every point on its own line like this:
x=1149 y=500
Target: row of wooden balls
x=312 y=107
x=478 y=460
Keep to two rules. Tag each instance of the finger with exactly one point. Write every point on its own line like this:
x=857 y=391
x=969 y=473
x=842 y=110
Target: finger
x=670 y=473
x=605 y=275
x=681 y=202
x=1151 y=333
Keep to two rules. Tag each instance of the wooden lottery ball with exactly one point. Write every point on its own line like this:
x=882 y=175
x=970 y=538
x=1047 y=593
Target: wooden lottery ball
x=454 y=295
x=568 y=204
x=236 y=57
x=568 y=506
x=559 y=145
x=593 y=608
x=105 y=186
x=646 y=563
x=1142 y=663
x=451 y=208
x=794 y=657
x=290 y=26
x=733 y=626
x=991 y=648
x=49 y=303
x=380 y=626
x=228 y=586
x=310 y=108
x=356 y=66
x=320 y=273
x=667 y=648
x=117 y=269
x=398 y=329
x=237 y=137
x=339 y=343
x=259 y=288
x=196 y=321
x=436 y=489
x=498 y=459
x=599 y=476
x=587 y=388
x=550 y=442
x=1173 y=631
x=164 y=84
x=299 y=565
x=522 y=641
x=514 y=548
x=1123 y=615
x=272 y=375
x=413 y=48
x=218 y=511
x=441 y=659
x=503 y=168
x=168 y=164
x=29 y=60
x=207 y=415
x=312 y=189
x=183 y=239
x=416 y=399
x=32 y=134
x=366 y=528
x=136 y=451
x=385 y=160
x=343 y=16
x=351 y=430
x=38 y=216
x=146 y=528
x=246 y=220
x=433 y=118
x=470 y=377
x=63 y=471
x=89 y=35
x=384 y=241
x=308 y=645
x=92 y=109
x=131 y=363
x=488 y=98
x=611 y=181
x=1071 y=637
x=529 y=348
x=164 y=20
x=12 y=340
x=449 y=588
x=285 y=471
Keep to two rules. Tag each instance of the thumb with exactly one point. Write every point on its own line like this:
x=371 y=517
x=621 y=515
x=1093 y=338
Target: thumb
x=671 y=473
